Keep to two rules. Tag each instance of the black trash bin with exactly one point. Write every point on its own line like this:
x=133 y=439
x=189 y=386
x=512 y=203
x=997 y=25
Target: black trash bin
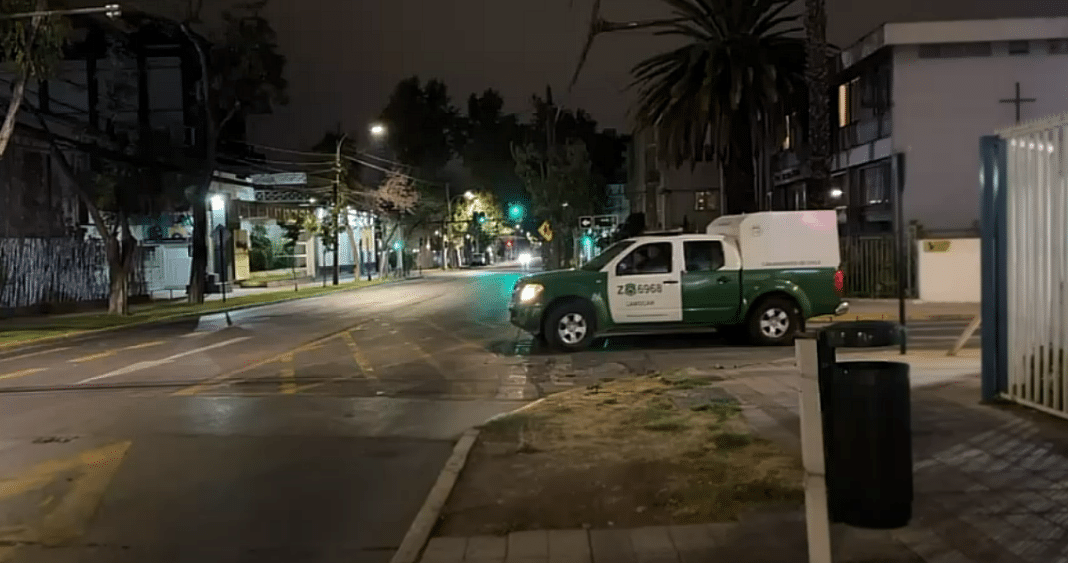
x=867 y=429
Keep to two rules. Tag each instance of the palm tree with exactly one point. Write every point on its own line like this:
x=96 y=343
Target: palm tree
x=818 y=79
x=725 y=89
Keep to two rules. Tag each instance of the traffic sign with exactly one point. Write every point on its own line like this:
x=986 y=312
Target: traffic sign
x=605 y=220
x=585 y=222
x=546 y=231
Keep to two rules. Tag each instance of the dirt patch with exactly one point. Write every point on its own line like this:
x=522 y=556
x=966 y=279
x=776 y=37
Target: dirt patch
x=620 y=453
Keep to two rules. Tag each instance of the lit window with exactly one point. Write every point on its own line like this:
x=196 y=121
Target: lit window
x=843 y=105
x=702 y=200
x=786 y=143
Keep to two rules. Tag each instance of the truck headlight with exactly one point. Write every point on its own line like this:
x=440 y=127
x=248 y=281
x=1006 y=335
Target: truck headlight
x=530 y=292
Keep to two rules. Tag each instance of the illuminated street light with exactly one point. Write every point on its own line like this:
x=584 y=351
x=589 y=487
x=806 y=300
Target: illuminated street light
x=469 y=195
x=836 y=193
x=378 y=130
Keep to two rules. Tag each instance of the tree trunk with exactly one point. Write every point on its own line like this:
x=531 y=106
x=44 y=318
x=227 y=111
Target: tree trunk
x=18 y=90
x=17 y=94
x=739 y=171
x=816 y=75
x=198 y=270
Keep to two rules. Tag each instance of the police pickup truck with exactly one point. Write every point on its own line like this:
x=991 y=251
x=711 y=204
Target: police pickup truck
x=762 y=273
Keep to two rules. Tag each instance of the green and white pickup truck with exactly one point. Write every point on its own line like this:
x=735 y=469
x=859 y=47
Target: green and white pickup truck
x=762 y=273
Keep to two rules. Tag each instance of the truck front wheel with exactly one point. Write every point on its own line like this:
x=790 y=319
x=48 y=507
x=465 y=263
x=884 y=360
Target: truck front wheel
x=570 y=325
x=774 y=322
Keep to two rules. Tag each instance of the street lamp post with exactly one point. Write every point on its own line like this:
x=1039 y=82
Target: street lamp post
x=337 y=209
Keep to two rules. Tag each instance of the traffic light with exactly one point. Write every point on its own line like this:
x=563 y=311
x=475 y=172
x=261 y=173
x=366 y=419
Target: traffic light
x=397 y=245
x=509 y=244
x=479 y=217
x=515 y=212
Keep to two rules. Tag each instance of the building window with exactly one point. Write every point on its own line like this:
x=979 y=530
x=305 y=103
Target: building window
x=956 y=50
x=1019 y=47
x=702 y=201
x=849 y=101
x=875 y=183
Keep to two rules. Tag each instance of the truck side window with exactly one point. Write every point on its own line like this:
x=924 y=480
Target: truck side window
x=652 y=258
x=703 y=255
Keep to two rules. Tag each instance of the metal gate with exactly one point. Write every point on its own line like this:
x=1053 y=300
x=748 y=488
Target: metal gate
x=1025 y=265
x=870 y=264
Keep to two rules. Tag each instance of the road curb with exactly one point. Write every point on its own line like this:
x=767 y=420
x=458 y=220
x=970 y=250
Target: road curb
x=7 y=349
x=418 y=534
x=423 y=525
x=889 y=317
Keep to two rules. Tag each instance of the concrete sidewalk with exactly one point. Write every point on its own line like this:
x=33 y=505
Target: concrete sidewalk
x=915 y=310
x=991 y=484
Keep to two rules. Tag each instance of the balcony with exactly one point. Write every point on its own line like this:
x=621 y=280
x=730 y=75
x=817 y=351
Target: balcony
x=864 y=132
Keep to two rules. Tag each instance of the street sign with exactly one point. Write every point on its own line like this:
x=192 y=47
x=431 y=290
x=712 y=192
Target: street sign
x=585 y=222
x=546 y=231
x=605 y=220
x=936 y=245
x=282 y=179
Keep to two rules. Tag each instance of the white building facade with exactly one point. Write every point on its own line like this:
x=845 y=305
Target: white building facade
x=929 y=91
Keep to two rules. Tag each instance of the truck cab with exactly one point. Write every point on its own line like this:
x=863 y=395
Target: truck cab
x=763 y=273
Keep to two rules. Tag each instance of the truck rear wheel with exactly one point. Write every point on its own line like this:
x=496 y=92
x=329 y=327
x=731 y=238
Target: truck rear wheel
x=570 y=326
x=774 y=322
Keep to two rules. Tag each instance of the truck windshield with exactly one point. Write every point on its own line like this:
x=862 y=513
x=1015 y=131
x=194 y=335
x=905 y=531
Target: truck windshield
x=602 y=259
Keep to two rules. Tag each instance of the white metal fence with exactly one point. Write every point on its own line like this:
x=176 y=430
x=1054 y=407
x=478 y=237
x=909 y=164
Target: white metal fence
x=1036 y=230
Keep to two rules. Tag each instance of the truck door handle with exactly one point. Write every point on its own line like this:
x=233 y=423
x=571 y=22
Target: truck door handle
x=671 y=281
x=722 y=280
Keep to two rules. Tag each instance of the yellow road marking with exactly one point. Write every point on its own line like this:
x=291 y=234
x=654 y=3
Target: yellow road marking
x=289 y=376
x=21 y=373
x=32 y=354
x=92 y=357
x=69 y=520
x=361 y=360
x=219 y=379
x=145 y=345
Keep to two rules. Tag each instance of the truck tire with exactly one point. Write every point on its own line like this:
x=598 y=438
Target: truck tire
x=774 y=322
x=570 y=325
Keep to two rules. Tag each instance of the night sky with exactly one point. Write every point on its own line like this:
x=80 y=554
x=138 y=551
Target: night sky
x=345 y=56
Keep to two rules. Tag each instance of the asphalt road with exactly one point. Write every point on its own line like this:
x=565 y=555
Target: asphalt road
x=304 y=431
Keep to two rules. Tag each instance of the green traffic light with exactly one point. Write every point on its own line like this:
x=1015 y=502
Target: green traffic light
x=397 y=245
x=515 y=212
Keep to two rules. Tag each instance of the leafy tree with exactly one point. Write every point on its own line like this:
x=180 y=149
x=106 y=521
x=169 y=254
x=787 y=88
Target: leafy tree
x=33 y=46
x=396 y=201
x=465 y=220
x=423 y=126
x=242 y=74
x=487 y=134
x=561 y=174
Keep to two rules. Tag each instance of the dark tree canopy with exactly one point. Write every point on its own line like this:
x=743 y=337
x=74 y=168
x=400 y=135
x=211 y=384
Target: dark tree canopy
x=422 y=124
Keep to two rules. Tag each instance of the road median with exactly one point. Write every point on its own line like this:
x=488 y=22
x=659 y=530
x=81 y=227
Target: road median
x=22 y=332
x=645 y=451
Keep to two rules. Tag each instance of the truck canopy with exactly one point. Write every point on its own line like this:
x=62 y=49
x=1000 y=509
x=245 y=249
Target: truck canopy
x=777 y=240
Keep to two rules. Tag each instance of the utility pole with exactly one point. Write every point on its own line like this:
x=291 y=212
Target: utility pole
x=337 y=205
